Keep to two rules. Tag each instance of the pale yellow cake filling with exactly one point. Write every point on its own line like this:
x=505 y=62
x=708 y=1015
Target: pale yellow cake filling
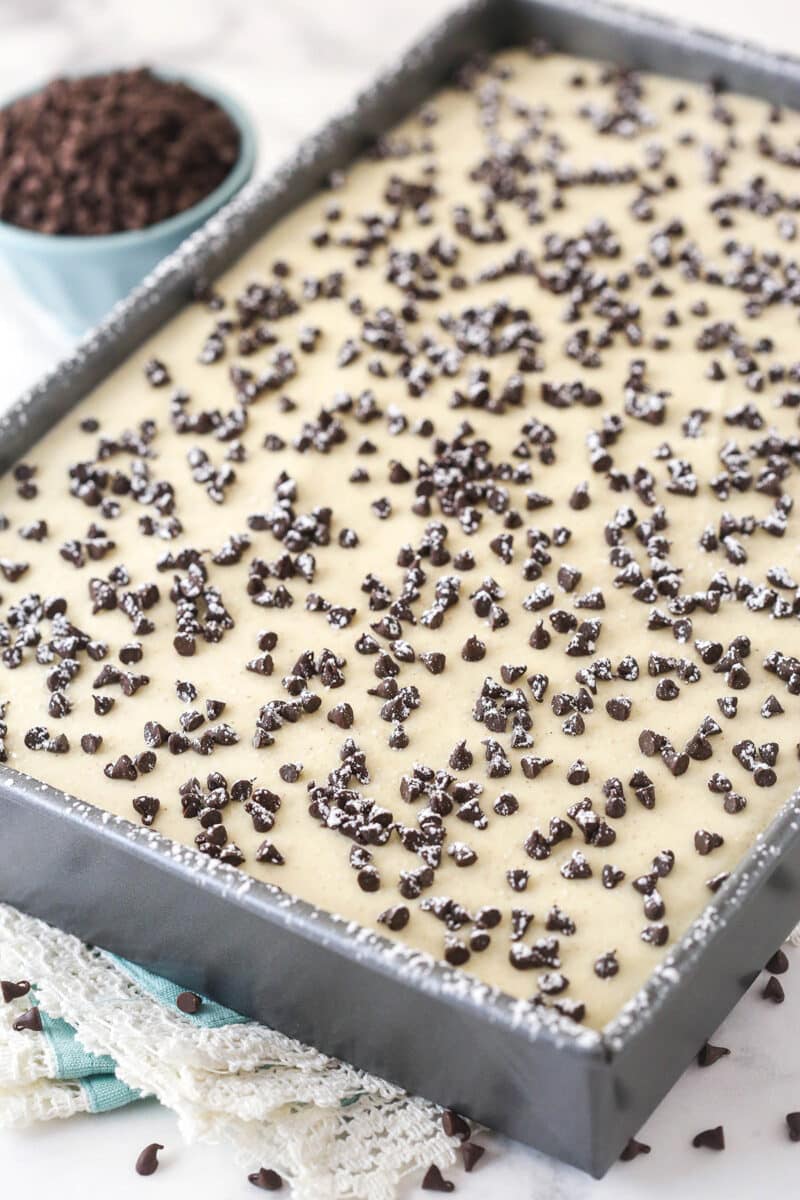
x=529 y=92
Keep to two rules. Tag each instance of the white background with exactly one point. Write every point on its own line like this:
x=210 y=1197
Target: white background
x=293 y=63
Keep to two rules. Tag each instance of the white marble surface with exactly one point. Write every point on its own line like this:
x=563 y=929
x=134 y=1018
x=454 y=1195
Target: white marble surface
x=293 y=63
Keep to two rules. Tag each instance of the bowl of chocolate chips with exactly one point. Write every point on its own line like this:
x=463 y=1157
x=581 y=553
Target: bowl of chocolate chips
x=103 y=175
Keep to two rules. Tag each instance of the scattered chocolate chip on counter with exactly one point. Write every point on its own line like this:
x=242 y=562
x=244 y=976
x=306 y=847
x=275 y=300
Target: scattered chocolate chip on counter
x=710 y=1139
x=147 y=1163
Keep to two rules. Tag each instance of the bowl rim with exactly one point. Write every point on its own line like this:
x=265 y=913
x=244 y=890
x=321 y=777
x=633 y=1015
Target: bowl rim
x=236 y=178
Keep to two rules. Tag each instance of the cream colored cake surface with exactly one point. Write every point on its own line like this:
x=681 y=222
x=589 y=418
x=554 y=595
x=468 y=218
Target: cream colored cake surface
x=556 y=277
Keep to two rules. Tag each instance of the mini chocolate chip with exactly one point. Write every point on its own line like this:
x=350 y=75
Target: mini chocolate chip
x=189 y=1002
x=30 y=1020
x=461 y=758
x=778 y=964
x=709 y=1054
x=473 y=650
x=633 y=1149
x=705 y=842
x=395 y=918
x=774 y=990
x=456 y=953
x=506 y=804
x=369 y=879
x=471 y=1154
x=716 y=881
x=710 y=1139
x=266 y=1179
x=611 y=875
x=434 y=1181
x=433 y=661
x=578 y=772
x=146 y=807
x=606 y=965
x=342 y=716
x=147 y=1162
x=793 y=1124
x=268 y=852
x=14 y=991
x=619 y=708
x=454 y=1125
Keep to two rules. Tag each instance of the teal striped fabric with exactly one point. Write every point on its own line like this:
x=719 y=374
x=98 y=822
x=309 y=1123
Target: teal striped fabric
x=96 y=1074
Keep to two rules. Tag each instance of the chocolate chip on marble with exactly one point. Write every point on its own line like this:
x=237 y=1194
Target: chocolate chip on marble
x=710 y=1139
x=434 y=1181
x=710 y=1054
x=633 y=1149
x=147 y=1161
x=778 y=964
x=471 y=1154
x=773 y=990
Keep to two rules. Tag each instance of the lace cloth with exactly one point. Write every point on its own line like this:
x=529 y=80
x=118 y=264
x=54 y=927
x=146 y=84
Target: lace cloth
x=326 y=1127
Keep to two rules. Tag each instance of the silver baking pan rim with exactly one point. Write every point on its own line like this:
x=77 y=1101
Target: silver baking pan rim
x=582 y=26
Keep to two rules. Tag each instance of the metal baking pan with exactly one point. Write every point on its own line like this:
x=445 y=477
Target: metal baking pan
x=574 y=1093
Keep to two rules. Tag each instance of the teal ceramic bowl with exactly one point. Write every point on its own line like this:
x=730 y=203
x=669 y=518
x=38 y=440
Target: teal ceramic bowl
x=78 y=279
